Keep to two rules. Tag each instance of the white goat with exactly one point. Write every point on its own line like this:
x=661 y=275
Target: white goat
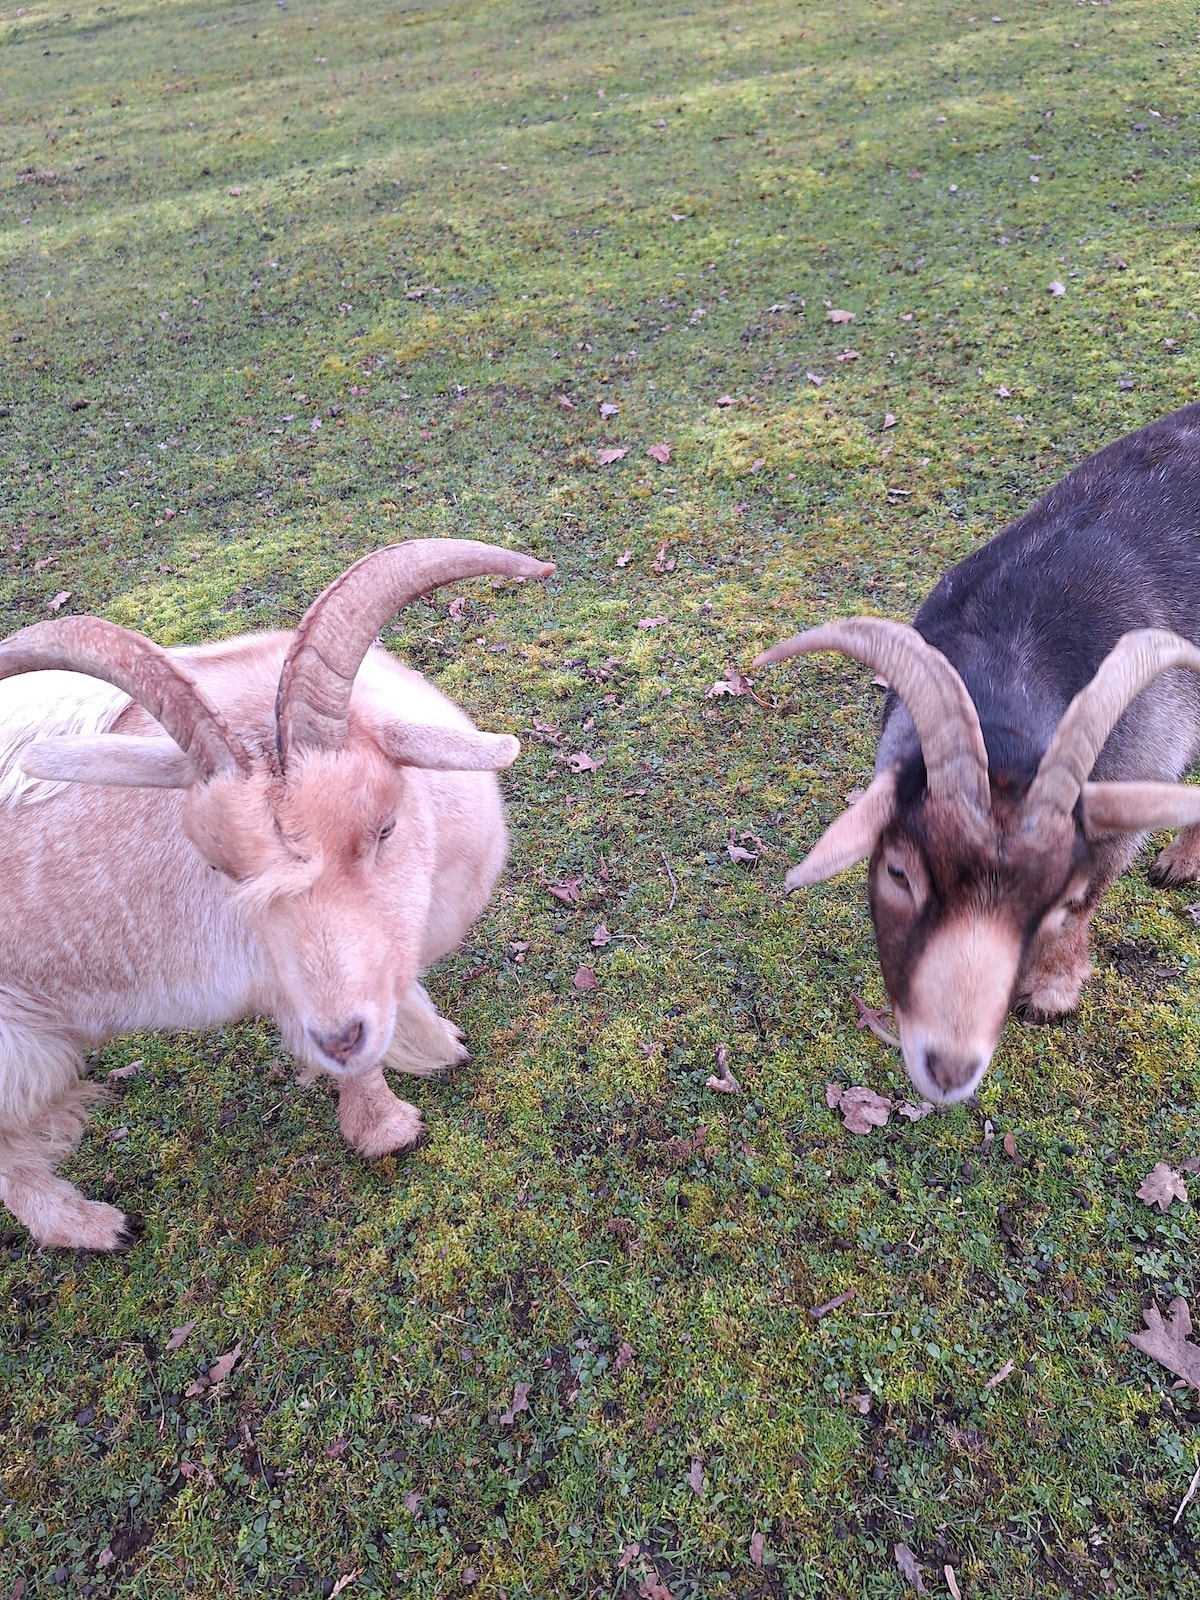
x=319 y=827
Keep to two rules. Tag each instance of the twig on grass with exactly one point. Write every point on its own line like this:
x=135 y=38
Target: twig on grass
x=1183 y=1504
x=671 y=875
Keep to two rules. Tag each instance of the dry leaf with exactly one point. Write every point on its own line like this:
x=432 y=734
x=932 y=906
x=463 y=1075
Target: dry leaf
x=567 y=891
x=1192 y=1164
x=412 y=1501
x=889 y=420
x=737 y=853
x=119 y=1074
x=1161 y=1186
x=601 y=936
x=817 y=1312
x=605 y=458
x=873 y=1021
x=1167 y=1342
x=660 y=453
x=178 y=1335
x=833 y=1095
x=999 y=1377
x=1002 y=393
x=456 y=607
x=915 y=1113
x=59 y=600
x=1057 y=289
x=756 y=1549
x=863 y=1109
x=46 y=561
x=607 y=409
x=849 y=355
x=625 y=558
x=651 y=1588
x=843 y=316
x=723 y=1081
x=520 y=1403
x=952 y=1584
x=910 y=1567
x=565 y=403
x=345 y=1582
x=660 y=564
x=630 y=1553
x=217 y=1373
x=1010 y=1146
x=652 y=622
x=732 y=683
x=585 y=978
x=814 y=379
x=337 y=1448
x=695 y=1477
x=622 y=1358
x=581 y=761
x=726 y=400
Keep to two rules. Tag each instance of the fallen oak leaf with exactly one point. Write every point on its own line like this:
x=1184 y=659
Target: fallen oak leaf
x=119 y=1074
x=737 y=852
x=1161 y=1186
x=910 y=1567
x=567 y=891
x=817 y=1312
x=873 y=1022
x=842 y=316
x=217 y=1373
x=732 y=683
x=601 y=936
x=581 y=761
x=625 y=558
x=630 y=1553
x=999 y=1377
x=726 y=400
x=756 y=1549
x=915 y=1113
x=46 y=561
x=565 y=403
x=651 y=1587
x=653 y=622
x=863 y=1109
x=456 y=607
x=1168 y=1343
x=520 y=1403
x=660 y=453
x=585 y=978
x=695 y=1477
x=1192 y=1164
x=661 y=562
x=889 y=420
x=59 y=600
x=723 y=1081
x=605 y=458
x=607 y=409
x=178 y=1335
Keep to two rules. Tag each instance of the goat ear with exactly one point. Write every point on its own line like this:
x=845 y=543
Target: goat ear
x=447 y=749
x=118 y=760
x=1138 y=807
x=852 y=837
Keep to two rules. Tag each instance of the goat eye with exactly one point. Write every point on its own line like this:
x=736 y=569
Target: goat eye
x=388 y=829
x=897 y=874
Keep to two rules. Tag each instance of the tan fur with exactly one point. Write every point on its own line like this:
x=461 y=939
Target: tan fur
x=958 y=998
x=149 y=908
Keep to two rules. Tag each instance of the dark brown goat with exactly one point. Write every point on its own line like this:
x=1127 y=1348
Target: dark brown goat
x=1042 y=710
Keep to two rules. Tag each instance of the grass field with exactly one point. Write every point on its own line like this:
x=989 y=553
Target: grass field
x=283 y=282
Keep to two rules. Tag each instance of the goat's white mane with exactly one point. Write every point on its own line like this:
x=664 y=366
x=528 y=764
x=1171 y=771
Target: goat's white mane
x=46 y=705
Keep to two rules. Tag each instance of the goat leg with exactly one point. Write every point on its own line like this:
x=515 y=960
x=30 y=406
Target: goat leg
x=1180 y=861
x=373 y=1120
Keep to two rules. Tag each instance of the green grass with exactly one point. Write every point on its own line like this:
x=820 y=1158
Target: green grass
x=313 y=278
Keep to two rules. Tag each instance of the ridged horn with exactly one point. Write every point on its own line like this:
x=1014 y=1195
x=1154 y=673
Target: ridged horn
x=146 y=673
x=934 y=695
x=1135 y=661
x=337 y=629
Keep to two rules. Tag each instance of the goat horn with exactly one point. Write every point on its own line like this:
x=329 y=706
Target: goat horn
x=1134 y=661
x=337 y=629
x=934 y=695
x=144 y=671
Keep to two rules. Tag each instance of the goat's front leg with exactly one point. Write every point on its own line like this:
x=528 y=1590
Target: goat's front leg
x=373 y=1120
x=1059 y=967
x=1180 y=861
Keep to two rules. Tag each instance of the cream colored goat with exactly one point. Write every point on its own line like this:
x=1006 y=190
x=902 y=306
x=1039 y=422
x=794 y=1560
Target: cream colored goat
x=314 y=828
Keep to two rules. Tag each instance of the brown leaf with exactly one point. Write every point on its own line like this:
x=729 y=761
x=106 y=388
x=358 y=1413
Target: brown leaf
x=1003 y=393
x=46 y=561
x=607 y=409
x=661 y=563
x=1192 y=1164
x=737 y=853
x=412 y=1501
x=999 y=1377
x=889 y=420
x=601 y=936
x=652 y=1588
x=695 y=1477
x=59 y=600
x=585 y=978
x=456 y=607
x=178 y=1335
x=915 y=1113
x=1010 y=1146
x=814 y=379
x=860 y=1403
x=873 y=1022
x=520 y=1403
x=630 y=1553
x=849 y=355
x=1167 y=1342
x=733 y=683
x=952 y=1584
x=863 y=1109
x=605 y=458
x=217 y=1373
x=565 y=403
x=1161 y=1186
x=723 y=1081
x=660 y=453
x=910 y=1567
x=843 y=316
x=119 y=1074
x=817 y=1312
x=833 y=1095
x=623 y=1357
x=581 y=761
x=337 y=1448
x=567 y=891
x=756 y=1549
x=653 y=622
x=344 y=1582
x=625 y=558
x=726 y=400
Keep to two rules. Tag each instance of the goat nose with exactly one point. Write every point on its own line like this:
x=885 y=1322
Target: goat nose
x=339 y=1046
x=948 y=1072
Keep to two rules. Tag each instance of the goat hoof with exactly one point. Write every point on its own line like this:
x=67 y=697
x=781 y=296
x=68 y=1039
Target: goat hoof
x=394 y=1135
x=135 y=1227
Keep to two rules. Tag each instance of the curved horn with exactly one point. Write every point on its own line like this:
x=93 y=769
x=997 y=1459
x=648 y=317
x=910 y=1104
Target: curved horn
x=1134 y=662
x=144 y=671
x=934 y=695
x=337 y=629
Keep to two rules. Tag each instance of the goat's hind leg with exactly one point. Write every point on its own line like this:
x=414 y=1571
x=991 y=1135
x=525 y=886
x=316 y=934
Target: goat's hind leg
x=43 y=1112
x=1180 y=861
x=373 y=1120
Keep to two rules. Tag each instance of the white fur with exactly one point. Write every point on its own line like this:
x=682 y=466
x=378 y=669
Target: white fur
x=48 y=705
